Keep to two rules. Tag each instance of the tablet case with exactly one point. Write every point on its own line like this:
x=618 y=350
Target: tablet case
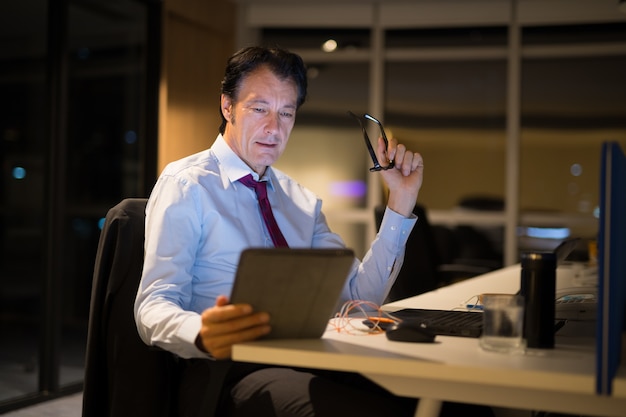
x=299 y=288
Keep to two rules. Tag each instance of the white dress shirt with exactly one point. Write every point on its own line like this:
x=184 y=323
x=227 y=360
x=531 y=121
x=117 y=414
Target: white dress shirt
x=199 y=218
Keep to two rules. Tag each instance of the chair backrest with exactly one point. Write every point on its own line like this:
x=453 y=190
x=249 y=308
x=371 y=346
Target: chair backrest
x=432 y=258
x=420 y=269
x=123 y=376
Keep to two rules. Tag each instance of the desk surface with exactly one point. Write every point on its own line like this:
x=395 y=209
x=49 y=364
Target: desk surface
x=455 y=368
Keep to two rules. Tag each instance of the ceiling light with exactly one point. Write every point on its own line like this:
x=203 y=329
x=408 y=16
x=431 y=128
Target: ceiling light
x=329 y=46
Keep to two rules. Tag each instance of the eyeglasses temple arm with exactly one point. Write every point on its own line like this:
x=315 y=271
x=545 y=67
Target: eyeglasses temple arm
x=382 y=132
x=370 y=149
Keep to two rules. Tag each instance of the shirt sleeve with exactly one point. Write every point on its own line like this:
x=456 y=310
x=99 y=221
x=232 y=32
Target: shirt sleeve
x=372 y=278
x=161 y=308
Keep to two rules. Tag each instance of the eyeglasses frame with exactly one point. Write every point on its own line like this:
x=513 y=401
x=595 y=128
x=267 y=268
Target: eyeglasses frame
x=377 y=166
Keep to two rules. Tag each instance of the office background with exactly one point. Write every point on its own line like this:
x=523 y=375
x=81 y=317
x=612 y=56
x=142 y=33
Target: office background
x=507 y=101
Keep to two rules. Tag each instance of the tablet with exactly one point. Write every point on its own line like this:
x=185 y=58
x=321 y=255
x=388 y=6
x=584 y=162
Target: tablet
x=299 y=288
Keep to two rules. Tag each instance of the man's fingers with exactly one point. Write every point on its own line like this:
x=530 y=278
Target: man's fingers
x=220 y=347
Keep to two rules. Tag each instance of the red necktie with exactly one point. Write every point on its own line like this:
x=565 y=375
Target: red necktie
x=260 y=187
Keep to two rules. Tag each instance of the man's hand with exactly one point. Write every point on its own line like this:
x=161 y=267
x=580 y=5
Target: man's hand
x=226 y=324
x=405 y=179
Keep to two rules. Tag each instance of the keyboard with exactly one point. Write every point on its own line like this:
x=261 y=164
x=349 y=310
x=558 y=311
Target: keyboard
x=446 y=322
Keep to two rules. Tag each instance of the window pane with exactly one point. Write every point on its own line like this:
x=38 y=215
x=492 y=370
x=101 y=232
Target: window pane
x=456 y=37
x=106 y=71
x=23 y=147
x=574 y=34
x=310 y=38
x=573 y=99
x=453 y=113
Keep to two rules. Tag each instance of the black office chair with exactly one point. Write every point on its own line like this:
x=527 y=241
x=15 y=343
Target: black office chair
x=419 y=271
x=428 y=264
x=124 y=376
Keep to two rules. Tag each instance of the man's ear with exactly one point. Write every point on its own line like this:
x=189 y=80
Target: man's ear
x=226 y=104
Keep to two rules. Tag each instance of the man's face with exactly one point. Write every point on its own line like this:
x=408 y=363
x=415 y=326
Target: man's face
x=260 y=122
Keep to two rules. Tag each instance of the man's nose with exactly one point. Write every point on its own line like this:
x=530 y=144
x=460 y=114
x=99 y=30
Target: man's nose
x=271 y=123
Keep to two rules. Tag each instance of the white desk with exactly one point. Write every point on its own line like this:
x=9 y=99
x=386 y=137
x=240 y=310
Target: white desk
x=455 y=368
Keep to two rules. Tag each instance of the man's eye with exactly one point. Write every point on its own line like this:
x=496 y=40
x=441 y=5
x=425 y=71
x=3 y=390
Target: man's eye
x=286 y=114
x=258 y=110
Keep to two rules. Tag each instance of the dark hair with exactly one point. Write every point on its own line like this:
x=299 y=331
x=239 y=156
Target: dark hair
x=281 y=62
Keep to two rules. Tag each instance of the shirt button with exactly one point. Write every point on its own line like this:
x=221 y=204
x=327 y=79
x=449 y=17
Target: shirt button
x=394 y=228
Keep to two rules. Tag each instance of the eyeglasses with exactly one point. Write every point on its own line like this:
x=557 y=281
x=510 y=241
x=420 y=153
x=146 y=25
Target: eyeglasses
x=368 y=143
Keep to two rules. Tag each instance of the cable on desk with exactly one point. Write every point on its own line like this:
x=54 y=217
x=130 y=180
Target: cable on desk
x=473 y=303
x=361 y=311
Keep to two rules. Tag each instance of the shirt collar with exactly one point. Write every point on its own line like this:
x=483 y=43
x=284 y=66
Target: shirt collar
x=234 y=167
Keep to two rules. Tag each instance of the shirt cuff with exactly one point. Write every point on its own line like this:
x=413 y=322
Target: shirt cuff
x=396 y=228
x=188 y=332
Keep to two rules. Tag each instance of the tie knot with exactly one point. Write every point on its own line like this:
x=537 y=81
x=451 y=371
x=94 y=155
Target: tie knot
x=259 y=186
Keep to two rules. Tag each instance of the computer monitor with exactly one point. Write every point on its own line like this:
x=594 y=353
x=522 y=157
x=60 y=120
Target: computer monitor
x=611 y=265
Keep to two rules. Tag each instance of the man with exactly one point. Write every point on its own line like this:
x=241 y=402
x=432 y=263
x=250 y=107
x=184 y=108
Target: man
x=200 y=217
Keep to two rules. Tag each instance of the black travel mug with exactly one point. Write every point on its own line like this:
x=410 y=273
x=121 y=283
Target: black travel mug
x=538 y=286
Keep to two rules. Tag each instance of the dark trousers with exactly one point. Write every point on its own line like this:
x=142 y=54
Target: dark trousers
x=260 y=391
